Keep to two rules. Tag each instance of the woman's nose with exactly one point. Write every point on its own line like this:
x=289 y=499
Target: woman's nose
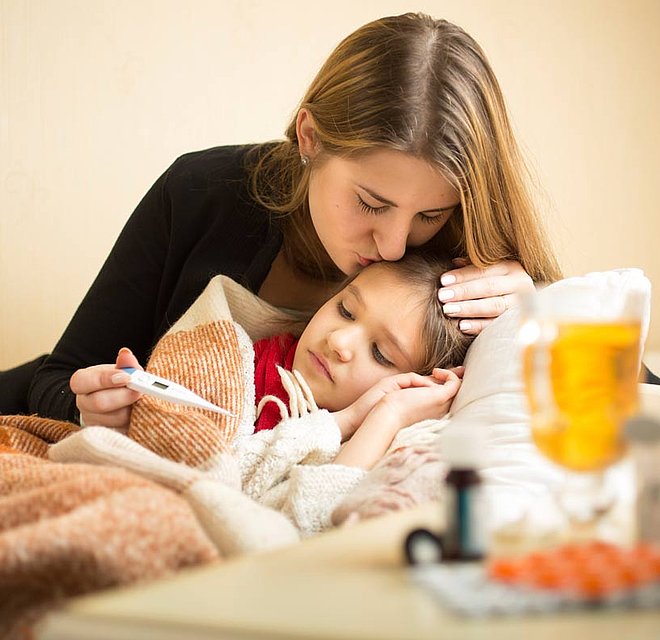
x=391 y=238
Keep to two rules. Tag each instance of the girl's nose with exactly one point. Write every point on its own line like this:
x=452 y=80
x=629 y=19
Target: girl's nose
x=341 y=342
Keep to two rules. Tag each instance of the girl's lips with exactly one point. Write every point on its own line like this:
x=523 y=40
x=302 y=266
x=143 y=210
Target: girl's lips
x=364 y=262
x=321 y=365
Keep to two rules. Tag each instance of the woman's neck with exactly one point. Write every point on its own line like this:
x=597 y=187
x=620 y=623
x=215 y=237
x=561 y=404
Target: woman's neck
x=286 y=287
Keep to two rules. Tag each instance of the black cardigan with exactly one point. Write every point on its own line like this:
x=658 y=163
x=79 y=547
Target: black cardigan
x=197 y=221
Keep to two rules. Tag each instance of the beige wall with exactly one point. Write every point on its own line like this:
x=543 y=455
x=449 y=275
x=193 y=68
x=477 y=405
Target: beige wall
x=97 y=97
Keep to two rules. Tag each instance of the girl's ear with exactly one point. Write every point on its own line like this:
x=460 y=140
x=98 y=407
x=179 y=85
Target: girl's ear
x=306 y=133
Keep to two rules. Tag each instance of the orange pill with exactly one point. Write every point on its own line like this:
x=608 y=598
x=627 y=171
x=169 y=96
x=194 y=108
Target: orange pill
x=594 y=585
x=505 y=569
x=553 y=578
x=638 y=572
x=648 y=554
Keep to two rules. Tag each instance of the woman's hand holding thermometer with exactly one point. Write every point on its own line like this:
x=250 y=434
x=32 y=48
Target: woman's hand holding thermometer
x=158 y=387
x=104 y=396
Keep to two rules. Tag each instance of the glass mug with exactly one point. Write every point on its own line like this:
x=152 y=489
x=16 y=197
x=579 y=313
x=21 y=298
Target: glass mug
x=581 y=357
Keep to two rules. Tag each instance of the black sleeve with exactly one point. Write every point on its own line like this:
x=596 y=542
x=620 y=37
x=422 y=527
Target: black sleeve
x=195 y=222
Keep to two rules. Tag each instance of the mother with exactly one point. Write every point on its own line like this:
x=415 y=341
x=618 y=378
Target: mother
x=401 y=140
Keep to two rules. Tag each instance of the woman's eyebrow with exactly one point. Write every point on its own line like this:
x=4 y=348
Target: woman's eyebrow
x=384 y=200
x=376 y=196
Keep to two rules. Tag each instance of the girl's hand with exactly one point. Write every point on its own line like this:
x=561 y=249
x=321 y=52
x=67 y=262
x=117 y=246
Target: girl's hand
x=101 y=393
x=353 y=416
x=413 y=404
x=395 y=410
x=481 y=295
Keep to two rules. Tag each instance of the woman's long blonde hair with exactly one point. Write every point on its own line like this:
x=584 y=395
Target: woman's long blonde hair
x=424 y=87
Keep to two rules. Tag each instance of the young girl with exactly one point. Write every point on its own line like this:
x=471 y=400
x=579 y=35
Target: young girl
x=369 y=358
x=402 y=140
x=362 y=335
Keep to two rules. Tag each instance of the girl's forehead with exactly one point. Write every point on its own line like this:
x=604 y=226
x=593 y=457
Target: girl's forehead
x=395 y=298
x=386 y=277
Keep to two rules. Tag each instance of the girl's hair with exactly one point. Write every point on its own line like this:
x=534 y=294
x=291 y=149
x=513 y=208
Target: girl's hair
x=445 y=345
x=424 y=87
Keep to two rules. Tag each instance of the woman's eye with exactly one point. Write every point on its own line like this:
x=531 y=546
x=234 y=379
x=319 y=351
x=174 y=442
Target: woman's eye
x=379 y=357
x=344 y=312
x=367 y=208
x=433 y=219
x=444 y=215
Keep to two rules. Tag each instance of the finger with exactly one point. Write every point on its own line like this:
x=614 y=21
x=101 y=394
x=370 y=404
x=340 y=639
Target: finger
x=473 y=327
x=488 y=286
x=443 y=375
x=450 y=386
x=125 y=358
x=483 y=308
x=410 y=379
x=423 y=381
x=106 y=401
x=95 y=378
x=116 y=419
x=451 y=389
x=469 y=272
x=441 y=393
x=405 y=378
x=458 y=371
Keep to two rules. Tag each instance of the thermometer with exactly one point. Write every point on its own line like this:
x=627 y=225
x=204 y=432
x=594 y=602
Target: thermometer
x=164 y=389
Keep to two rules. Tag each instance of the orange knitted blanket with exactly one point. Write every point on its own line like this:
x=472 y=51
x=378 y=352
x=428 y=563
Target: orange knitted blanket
x=67 y=529
x=135 y=512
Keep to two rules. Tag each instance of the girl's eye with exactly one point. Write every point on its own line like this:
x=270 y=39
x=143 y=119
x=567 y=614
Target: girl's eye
x=343 y=311
x=367 y=208
x=379 y=357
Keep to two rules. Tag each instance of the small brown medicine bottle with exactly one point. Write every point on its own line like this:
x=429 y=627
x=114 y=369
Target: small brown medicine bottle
x=465 y=531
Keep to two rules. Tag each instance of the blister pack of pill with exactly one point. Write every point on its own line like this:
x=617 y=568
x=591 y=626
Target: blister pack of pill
x=565 y=579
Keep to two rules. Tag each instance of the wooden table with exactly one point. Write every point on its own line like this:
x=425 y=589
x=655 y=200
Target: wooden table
x=347 y=583
x=343 y=584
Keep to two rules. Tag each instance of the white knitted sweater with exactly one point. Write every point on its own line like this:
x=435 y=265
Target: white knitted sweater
x=289 y=468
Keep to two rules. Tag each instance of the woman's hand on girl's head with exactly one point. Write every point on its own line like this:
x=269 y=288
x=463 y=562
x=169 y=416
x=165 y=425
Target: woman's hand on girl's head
x=478 y=296
x=102 y=397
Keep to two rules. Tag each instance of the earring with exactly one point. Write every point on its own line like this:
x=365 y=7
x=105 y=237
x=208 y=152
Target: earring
x=304 y=160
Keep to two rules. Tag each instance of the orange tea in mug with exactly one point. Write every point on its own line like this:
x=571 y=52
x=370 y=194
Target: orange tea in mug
x=581 y=384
